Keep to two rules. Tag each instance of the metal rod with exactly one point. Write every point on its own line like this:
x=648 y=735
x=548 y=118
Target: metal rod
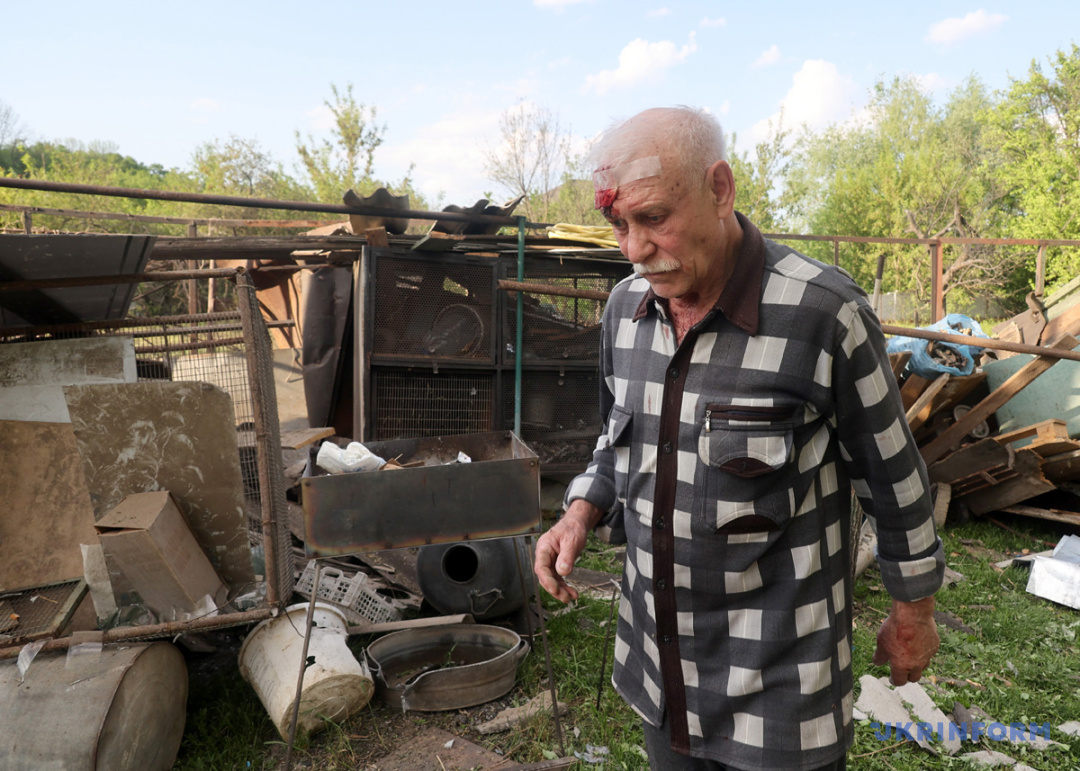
x=209 y=221
x=937 y=287
x=255 y=203
x=550 y=289
x=303 y=666
x=150 y=631
x=927 y=241
x=1040 y=271
x=130 y=278
x=607 y=642
x=519 y=337
x=547 y=653
x=194 y=345
x=246 y=293
x=522 y=541
x=84 y=326
x=982 y=342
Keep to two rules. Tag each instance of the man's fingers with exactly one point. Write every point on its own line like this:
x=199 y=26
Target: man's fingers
x=880 y=656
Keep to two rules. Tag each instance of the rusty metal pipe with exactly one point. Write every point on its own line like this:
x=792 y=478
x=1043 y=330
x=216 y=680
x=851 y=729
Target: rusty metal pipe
x=982 y=342
x=152 y=631
x=132 y=278
x=255 y=203
x=561 y=291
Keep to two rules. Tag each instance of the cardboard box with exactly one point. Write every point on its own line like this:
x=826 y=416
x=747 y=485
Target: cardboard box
x=146 y=536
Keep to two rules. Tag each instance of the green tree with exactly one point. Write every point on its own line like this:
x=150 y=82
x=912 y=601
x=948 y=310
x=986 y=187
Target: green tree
x=908 y=168
x=1036 y=130
x=348 y=161
x=759 y=179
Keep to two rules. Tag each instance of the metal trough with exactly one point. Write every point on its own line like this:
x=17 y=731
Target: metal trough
x=495 y=496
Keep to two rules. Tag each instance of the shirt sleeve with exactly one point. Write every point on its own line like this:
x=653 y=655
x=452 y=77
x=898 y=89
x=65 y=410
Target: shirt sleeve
x=883 y=463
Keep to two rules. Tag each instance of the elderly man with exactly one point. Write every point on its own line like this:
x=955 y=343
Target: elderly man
x=746 y=392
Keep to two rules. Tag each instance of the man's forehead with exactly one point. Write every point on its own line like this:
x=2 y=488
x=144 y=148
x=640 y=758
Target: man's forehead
x=607 y=180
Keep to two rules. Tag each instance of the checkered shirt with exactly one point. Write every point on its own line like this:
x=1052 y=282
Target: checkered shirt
x=731 y=457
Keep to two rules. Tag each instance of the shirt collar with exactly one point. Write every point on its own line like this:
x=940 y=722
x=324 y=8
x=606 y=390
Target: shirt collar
x=742 y=294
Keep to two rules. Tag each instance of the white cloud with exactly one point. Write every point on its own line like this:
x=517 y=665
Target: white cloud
x=557 y=5
x=448 y=154
x=639 y=62
x=206 y=105
x=720 y=21
x=771 y=55
x=819 y=95
x=658 y=12
x=932 y=82
x=320 y=118
x=554 y=65
x=725 y=107
x=953 y=30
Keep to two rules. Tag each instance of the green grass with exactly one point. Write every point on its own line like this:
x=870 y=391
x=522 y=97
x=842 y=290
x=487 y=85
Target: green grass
x=1023 y=655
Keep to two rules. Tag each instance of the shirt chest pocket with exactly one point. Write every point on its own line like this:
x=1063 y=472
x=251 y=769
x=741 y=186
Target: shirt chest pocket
x=746 y=456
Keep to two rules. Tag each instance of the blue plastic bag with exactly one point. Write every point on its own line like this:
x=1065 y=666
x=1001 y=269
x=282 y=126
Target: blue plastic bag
x=922 y=363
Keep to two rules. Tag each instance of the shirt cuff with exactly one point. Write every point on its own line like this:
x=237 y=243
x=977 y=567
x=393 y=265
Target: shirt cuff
x=914 y=579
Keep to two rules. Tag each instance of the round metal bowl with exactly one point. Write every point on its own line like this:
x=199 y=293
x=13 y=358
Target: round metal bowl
x=449 y=667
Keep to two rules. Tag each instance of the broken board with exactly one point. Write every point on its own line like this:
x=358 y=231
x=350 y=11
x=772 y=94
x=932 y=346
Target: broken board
x=47 y=511
x=180 y=437
x=32 y=375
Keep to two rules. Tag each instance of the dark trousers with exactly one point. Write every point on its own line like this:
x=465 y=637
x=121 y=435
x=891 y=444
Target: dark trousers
x=663 y=758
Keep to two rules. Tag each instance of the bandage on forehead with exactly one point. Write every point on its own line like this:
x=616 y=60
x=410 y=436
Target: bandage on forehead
x=606 y=181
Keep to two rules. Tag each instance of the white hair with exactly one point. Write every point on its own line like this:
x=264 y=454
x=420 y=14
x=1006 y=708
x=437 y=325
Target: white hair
x=693 y=136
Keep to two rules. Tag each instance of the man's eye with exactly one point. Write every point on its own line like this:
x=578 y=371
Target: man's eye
x=656 y=219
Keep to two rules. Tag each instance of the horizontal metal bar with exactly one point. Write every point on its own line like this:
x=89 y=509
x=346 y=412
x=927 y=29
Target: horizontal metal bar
x=194 y=346
x=925 y=241
x=84 y=326
x=130 y=633
x=982 y=342
x=552 y=289
x=130 y=278
x=255 y=203
x=207 y=221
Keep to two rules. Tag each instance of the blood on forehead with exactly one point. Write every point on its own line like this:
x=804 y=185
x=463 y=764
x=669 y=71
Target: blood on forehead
x=606 y=181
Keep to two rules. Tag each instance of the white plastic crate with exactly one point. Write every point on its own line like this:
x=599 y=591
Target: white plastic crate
x=352 y=593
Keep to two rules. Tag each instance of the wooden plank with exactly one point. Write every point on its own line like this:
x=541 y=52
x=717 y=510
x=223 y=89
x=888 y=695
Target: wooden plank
x=953 y=435
x=415 y=623
x=1065 y=323
x=1046 y=429
x=955 y=391
x=1062 y=468
x=1027 y=483
x=919 y=412
x=912 y=389
x=377 y=238
x=968 y=461
x=302 y=437
x=898 y=362
x=1053 y=515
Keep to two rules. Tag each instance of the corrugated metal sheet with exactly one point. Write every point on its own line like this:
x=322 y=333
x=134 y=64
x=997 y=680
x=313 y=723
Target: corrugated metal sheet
x=27 y=257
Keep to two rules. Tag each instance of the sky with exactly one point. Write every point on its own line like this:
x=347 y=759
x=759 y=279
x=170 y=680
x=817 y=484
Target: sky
x=160 y=79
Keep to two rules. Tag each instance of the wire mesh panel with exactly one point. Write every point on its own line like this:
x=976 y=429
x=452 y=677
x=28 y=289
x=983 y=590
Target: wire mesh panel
x=560 y=414
x=560 y=328
x=416 y=403
x=432 y=308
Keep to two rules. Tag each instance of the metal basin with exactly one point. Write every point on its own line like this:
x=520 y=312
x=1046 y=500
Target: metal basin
x=442 y=668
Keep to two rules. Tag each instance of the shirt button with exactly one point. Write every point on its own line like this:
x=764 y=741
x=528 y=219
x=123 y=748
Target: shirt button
x=658 y=523
x=667 y=448
x=661 y=584
x=666 y=639
x=673 y=373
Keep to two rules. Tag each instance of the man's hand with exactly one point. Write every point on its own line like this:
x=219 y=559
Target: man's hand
x=559 y=547
x=907 y=640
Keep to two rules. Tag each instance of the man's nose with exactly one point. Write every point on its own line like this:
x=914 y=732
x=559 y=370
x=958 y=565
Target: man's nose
x=638 y=245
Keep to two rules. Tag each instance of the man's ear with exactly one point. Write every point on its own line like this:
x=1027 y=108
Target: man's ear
x=722 y=184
